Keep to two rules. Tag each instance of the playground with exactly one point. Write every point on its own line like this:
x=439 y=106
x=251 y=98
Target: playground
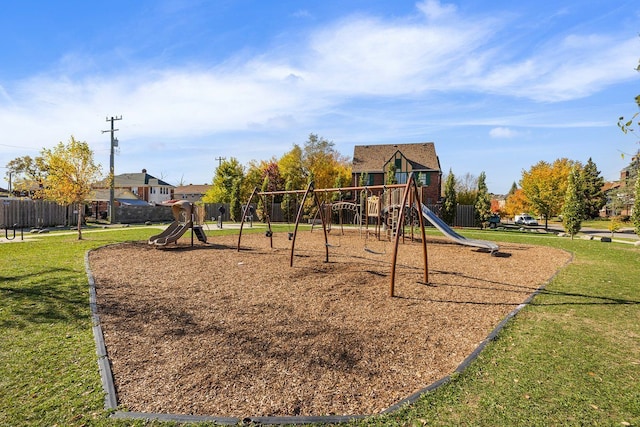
x=212 y=330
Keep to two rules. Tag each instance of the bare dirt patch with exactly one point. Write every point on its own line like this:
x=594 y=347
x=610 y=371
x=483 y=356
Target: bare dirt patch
x=212 y=331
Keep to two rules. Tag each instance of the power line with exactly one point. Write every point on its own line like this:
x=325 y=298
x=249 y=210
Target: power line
x=17 y=146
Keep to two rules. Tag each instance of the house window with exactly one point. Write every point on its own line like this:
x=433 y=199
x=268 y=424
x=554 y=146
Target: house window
x=398 y=164
x=366 y=178
x=424 y=178
x=370 y=179
x=401 y=177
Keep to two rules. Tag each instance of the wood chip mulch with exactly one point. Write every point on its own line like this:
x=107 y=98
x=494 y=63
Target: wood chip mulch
x=212 y=331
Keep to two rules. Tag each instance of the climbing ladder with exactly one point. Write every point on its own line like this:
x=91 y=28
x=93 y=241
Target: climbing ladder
x=199 y=232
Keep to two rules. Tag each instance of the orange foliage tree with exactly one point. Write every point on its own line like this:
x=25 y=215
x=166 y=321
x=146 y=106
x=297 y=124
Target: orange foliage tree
x=516 y=203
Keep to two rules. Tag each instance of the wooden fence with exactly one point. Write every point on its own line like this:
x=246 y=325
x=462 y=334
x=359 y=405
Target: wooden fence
x=25 y=213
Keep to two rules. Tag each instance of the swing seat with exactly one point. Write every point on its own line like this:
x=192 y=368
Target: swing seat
x=371 y=251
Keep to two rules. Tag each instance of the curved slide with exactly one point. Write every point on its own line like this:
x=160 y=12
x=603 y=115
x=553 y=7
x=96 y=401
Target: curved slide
x=173 y=232
x=452 y=235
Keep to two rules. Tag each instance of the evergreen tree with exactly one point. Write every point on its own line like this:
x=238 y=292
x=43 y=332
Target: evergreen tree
x=391 y=174
x=450 y=201
x=513 y=189
x=483 y=201
x=288 y=203
x=635 y=216
x=236 y=202
x=364 y=178
x=264 y=205
x=574 y=205
x=594 y=197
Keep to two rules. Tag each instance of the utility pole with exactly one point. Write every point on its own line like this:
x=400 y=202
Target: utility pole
x=114 y=143
x=220 y=159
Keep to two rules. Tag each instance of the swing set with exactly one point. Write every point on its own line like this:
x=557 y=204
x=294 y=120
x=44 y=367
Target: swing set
x=398 y=197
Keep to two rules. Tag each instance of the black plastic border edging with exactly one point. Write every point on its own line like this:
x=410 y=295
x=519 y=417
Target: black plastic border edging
x=111 y=400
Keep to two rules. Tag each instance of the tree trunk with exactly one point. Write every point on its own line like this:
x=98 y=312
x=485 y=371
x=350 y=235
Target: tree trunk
x=80 y=212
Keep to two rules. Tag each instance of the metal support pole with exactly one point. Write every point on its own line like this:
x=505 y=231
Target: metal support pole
x=112 y=207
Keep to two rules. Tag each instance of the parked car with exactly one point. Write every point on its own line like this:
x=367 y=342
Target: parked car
x=525 y=219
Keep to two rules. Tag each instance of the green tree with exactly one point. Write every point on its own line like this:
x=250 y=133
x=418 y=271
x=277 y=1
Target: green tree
x=574 y=204
x=265 y=202
x=466 y=189
x=288 y=204
x=70 y=173
x=253 y=177
x=226 y=174
x=364 y=179
x=513 y=189
x=483 y=201
x=635 y=216
x=391 y=174
x=321 y=162
x=27 y=175
x=594 y=197
x=292 y=169
x=450 y=204
x=236 y=201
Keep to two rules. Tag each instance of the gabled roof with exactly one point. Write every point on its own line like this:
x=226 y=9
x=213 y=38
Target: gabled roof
x=141 y=179
x=610 y=185
x=372 y=158
x=102 y=195
x=131 y=180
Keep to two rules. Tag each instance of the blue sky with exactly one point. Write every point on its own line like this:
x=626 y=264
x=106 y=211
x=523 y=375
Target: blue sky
x=496 y=85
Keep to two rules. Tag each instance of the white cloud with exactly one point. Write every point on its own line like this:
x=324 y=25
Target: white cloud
x=434 y=10
x=568 y=69
x=358 y=58
x=503 y=132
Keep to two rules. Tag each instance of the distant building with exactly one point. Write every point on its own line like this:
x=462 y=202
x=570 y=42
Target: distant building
x=191 y=193
x=372 y=162
x=620 y=195
x=144 y=186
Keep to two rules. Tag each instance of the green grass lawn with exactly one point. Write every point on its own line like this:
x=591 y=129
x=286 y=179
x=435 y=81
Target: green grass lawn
x=570 y=358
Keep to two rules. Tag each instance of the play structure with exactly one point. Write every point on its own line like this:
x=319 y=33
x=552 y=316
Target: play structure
x=187 y=217
x=380 y=212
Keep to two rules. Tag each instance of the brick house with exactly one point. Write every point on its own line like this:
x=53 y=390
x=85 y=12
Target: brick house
x=372 y=162
x=145 y=187
x=620 y=194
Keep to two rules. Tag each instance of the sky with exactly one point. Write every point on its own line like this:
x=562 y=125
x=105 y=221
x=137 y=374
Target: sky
x=496 y=85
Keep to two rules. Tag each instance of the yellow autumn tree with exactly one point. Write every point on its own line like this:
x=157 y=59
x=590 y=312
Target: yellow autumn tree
x=70 y=173
x=545 y=186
